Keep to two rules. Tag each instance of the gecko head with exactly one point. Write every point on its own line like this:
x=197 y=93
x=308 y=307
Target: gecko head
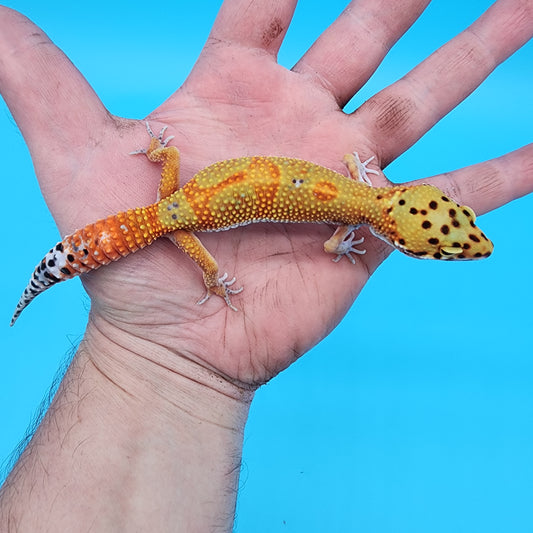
x=425 y=223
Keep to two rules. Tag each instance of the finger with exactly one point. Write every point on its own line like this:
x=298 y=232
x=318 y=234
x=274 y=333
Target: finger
x=349 y=51
x=46 y=94
x=400 y=114
x=253 y=23
x=491 y=184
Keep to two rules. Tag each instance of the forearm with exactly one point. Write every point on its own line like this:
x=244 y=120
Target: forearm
x=137 y=438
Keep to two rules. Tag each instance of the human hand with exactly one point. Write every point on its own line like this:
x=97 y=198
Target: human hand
x=238 y=101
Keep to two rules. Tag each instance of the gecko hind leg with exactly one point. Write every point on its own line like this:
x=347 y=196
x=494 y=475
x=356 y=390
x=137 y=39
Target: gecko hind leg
x=168 y=156
x=214 y=282
x=223 y=280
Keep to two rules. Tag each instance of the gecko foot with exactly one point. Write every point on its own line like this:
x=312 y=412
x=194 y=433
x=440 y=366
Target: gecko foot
x=346 y=248
x=358 y=169
x=159 y=137
x=224 y=290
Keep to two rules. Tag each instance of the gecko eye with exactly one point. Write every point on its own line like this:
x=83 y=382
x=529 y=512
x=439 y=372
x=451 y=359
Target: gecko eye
x=451 y=250
x=469 y=212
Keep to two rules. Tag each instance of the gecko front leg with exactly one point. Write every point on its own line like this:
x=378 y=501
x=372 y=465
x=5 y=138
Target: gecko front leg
x=342 y=244
x=357 y=169
x=343 y=241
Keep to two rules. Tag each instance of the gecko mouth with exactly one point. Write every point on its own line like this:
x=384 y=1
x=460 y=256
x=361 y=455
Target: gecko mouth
x=458 y=252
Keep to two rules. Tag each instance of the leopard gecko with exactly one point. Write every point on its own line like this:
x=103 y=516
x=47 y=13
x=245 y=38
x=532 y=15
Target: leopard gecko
x=419 y=220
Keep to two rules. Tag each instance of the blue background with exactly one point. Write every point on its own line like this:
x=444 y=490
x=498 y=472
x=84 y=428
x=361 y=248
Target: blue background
x=416 y=413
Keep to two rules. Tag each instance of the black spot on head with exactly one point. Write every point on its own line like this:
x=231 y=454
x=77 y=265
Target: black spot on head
x=444 y=229
x=472 y=224
x=437 y=255
x=70 y=257
x=401 y=202
x=59 y=247
x=423 y=212
x=65 y=270
x=433 y=204
x=426 y=224
x=474 y=238
x=401 y=241
x=466 y=213
x=420 y=254
x=51 y=263
x=466 y=246
x=444 y=199
x=455 y=223
x=433 y=240
x=486 y=254
x=456 y=245
x=452 y=212
x=483 y=235
x=413 y=210
x=478 y=254
x=461 y=256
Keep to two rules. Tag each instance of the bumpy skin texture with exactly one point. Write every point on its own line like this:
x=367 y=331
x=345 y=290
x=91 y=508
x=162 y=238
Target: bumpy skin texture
x=420 y=220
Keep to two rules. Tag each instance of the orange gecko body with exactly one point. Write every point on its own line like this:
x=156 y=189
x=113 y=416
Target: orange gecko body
x=420 y=220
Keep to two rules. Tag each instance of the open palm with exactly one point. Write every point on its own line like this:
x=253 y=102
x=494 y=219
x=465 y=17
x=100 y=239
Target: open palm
x=237 y=102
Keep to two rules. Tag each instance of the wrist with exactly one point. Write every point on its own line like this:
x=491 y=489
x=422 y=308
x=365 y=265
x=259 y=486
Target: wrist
x=166 y=380
x=189 y=421
x=138 y=437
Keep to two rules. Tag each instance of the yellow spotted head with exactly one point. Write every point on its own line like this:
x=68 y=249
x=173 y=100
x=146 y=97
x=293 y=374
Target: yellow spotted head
x=422 y=222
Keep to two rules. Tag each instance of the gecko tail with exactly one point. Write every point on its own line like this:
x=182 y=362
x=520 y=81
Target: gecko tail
x=90 y=248
x=51 y=270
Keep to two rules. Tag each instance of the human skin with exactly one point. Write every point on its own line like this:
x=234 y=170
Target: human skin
x=146 y=429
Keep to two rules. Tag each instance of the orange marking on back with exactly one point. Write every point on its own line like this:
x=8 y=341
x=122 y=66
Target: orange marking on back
x=325 y=191
x=199 y=197
x=238 y=197
x=266 y=181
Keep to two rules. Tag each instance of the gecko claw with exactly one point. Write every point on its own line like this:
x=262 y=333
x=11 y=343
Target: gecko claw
x=159 y=137
x=223 y=290
x=346 y=248
x=358 y=169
